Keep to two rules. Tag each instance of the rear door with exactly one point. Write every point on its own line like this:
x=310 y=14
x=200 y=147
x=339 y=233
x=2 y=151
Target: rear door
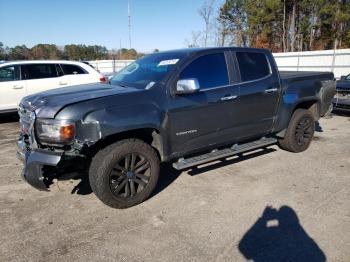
x=12 y=89
x=206 y=117
x=40 y=77
x=259 y=93
x=78 y=75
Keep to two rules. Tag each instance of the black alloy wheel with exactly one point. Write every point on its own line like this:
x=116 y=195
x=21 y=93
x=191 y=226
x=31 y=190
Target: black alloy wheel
x=304 y=131
x=130 y=175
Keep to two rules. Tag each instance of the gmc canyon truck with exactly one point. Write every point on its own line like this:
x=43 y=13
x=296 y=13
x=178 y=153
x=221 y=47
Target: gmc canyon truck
x=190 y=106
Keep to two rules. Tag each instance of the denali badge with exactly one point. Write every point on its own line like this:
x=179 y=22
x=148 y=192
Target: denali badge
x=186 y=132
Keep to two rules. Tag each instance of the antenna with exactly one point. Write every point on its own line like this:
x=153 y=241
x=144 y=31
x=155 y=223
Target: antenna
x=129 y=25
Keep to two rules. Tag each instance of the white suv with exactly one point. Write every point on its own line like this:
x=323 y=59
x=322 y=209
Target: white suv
x=22 y=78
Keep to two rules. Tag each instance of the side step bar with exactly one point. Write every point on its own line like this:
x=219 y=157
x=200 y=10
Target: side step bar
x=223 y=153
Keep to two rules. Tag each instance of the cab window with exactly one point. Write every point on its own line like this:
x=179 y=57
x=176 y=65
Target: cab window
x=252 y=66
x=9 y=73
x=38 y=71
x=72 y=69
x=209 y=70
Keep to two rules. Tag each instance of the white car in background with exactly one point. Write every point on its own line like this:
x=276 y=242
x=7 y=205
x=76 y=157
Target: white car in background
x=22 y=78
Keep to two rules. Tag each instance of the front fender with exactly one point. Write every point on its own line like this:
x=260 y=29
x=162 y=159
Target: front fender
x=112 y=120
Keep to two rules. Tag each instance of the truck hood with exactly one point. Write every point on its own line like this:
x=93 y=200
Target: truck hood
x=47 y=104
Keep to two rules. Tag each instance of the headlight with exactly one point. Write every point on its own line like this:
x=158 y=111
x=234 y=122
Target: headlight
x=55 y=131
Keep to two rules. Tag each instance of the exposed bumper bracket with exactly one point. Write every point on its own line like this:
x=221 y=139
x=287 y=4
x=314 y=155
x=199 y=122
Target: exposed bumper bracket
x=34 y=161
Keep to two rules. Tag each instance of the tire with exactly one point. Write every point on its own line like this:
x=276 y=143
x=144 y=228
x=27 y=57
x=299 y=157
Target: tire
x=125 y=173
x=300 y=132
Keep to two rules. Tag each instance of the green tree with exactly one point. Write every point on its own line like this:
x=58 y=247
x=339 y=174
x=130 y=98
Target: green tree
x=19 y=52
x=45 y=51
x=288 y=25
x=334 y=23
x=2 y=51
x=234 y=14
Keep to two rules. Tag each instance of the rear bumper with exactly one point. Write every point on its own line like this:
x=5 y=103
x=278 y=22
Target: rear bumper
x=34 y=162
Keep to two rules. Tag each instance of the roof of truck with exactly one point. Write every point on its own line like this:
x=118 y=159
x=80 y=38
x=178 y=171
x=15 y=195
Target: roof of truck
x=203 y=49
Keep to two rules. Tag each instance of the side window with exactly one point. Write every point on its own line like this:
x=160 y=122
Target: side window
x=72 y=69
x=59 y=70
x=9 y=73
x=38 y=71
x=252 y=65
x=210 y=70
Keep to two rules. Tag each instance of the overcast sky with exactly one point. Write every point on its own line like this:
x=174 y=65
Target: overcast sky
x=162 y=24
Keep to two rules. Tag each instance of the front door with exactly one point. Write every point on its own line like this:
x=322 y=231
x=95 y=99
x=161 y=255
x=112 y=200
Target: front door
x=206 y=117
x=12 y=89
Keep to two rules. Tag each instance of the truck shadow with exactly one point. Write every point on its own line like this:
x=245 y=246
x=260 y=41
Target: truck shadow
x=9 y=118
x=168 y=174
x=278 y=236
x=224 y=162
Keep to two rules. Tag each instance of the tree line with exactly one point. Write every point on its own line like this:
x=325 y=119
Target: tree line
x=67 y=52
x=280 y=25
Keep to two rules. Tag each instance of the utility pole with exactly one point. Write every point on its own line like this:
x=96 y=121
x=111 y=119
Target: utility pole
x=129 y=24
x=120 y=48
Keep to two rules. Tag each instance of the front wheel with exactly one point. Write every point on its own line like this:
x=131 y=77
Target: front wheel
x=124 y=174
x=300 y=131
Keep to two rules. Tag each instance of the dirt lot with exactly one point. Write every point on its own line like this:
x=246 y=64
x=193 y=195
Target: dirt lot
x=270 y=205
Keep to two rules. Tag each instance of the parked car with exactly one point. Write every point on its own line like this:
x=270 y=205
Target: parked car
x=341 y=101
x=188 y=106
x=22 y=78
x=109 y=75
x=87 y=63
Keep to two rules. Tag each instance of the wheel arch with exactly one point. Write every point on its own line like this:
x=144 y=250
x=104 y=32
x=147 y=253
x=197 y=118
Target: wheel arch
x=311 y=104
x=149 y=135
x=308 y=103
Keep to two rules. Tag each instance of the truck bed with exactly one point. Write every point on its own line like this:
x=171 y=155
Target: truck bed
x=288 y=75
x=321 y=82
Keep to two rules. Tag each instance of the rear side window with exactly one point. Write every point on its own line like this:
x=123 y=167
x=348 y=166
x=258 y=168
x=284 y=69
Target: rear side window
x=9 y=73
x=38 y=71
x=72 y=69
x=210 y=71
x=59 y=70
x=252 y=65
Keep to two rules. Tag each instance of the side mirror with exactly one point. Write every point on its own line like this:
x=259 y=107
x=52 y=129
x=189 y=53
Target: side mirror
x=187 y=86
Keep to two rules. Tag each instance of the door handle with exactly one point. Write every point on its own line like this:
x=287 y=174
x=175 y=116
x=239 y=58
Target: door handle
x=226 y=98
x=62 y=83
x=17 y=87
x=271 y=90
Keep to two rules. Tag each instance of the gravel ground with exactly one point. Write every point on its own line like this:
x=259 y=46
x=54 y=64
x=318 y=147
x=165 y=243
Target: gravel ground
x=267 y=206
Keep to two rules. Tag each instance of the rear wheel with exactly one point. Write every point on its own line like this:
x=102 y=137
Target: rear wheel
x=125 y=173
x=300 y=131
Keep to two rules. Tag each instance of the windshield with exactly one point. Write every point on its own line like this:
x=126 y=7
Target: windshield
x=145 y=72
x=348 y=77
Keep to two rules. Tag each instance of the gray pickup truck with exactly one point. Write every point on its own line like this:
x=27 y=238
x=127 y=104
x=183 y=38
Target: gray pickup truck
x=189 y=106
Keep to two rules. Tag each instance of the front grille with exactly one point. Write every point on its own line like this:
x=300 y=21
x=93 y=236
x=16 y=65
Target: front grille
x=27 y=120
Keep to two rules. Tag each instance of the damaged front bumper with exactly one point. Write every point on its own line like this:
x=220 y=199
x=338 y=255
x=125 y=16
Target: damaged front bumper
x=35 y=160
